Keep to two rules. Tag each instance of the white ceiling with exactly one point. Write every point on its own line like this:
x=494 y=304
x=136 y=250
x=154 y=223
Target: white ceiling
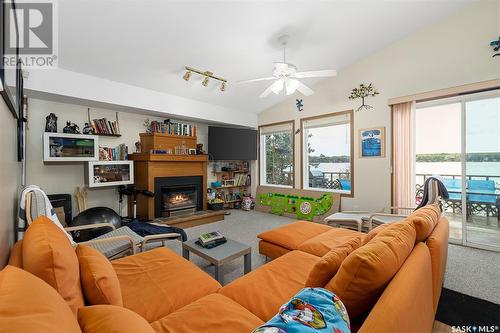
x=148 y=43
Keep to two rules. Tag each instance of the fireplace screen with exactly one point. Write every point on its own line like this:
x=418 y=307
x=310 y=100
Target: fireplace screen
x=178 y=199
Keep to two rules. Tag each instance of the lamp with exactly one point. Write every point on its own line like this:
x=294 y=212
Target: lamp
x=205 y=81
x=206 y=77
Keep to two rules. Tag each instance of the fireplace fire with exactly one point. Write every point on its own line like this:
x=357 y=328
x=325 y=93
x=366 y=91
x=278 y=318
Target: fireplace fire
x=179 y=199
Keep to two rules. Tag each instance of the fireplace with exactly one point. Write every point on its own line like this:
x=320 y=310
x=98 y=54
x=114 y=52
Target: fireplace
x=178 y=195
x=179 y=199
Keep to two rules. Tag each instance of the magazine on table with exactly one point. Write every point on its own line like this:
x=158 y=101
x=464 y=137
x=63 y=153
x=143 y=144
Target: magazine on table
x=211 y=239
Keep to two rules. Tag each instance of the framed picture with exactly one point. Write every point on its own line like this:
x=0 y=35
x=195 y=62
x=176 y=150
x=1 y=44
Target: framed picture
x=9 y=53
x=64 y=147
x=110 y=173
x=372 y=142
x=191 y=151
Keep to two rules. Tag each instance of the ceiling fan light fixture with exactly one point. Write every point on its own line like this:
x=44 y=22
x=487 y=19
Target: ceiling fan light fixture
x=205 y=81
x=277 y=86
x=187 y=75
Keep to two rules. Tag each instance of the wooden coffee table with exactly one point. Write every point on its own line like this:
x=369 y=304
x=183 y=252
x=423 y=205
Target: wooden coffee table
x=220 y=255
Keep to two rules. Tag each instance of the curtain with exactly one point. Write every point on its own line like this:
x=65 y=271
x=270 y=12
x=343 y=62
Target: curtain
x=403 y=155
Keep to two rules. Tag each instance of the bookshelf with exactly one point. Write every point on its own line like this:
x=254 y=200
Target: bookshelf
x=235 y=184
x=104 y=127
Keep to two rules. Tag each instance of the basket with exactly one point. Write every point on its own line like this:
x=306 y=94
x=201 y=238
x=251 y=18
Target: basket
x=216 y=206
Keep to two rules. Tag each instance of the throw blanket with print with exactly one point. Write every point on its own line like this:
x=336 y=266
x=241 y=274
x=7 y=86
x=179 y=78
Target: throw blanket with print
x=312 y=310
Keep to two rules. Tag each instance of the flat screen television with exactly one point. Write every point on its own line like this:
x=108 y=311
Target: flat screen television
x=226 y=143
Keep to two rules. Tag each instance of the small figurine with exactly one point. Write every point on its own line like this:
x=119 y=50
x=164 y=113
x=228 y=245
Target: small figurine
x=71 y=128
x=137 y=147
x=199 y=149
x=51 y=123
x=87 y=129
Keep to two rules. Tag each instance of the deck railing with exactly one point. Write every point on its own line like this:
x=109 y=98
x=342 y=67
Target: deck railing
x=474 y=207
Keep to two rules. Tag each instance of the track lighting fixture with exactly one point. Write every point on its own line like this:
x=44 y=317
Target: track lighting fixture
x=205 y=81
x=206 y=77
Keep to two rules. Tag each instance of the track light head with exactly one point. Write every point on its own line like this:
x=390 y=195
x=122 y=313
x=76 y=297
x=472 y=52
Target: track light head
x=223 y=86
x=205 y=81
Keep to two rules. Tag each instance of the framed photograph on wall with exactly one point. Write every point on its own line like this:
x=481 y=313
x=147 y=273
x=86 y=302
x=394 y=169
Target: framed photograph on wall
x=372 y=142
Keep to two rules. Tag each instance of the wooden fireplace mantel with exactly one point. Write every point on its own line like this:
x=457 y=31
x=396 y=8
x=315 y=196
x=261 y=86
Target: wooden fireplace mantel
x=149 y=166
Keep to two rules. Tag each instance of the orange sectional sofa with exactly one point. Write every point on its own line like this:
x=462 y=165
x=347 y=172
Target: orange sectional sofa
x=389 y=280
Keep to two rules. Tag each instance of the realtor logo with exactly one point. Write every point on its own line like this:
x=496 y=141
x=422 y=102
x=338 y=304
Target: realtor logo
x=35 y=36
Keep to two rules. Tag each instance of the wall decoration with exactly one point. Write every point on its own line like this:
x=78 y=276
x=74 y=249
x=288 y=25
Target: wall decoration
x=51 y=123
x=305 y=208
x=299 y=104
x=372 y=142
x=362 y=92
x=71 y=128
x=495 y=44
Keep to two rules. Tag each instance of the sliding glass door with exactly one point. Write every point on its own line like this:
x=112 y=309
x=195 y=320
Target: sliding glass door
x=482 y=169
x=459 y=139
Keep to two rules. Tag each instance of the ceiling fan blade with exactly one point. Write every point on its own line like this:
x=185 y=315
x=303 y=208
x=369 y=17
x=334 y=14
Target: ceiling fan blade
x=276 y=87
x=304 y=90
x=257 y=80
x=323 y=73
x=291 y=85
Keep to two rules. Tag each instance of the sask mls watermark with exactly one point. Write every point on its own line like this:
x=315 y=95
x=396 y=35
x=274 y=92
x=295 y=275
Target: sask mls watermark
x=30 y=27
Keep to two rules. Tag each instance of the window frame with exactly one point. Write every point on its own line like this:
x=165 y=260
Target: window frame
x=286 y=122
x=303 y=159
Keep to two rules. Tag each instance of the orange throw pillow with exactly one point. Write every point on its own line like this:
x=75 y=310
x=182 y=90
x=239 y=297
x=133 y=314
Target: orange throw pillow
x=28 y=304
x=48 y=254
x=375 y=231
x=329 y=264
x=425 y=220
x=99 y=280
x=111 y=319
x=365 y=273
x=16 y=255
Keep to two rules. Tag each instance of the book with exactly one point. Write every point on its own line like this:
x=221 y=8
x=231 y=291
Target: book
x=211 y=238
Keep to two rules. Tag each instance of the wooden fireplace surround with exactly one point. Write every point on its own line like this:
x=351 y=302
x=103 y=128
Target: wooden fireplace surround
x=149 y=166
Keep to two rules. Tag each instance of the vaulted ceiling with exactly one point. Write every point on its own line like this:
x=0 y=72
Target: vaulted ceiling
x=147 y=43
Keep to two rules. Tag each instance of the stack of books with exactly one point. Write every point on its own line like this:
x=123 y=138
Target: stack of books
x=119 y=153
x=241 y=179
x=104 y=126
x=211 y=239
x=172 y=128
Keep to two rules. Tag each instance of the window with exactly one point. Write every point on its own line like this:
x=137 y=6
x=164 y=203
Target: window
x=277 y=145
x=327 y=152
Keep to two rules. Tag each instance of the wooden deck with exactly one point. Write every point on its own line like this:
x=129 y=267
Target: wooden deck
x=480 y=229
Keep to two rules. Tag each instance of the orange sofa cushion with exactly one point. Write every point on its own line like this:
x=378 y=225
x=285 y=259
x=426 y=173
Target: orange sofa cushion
x=16 y=255
x=98 y=278
x=290 y=236
x=111 y=319
x=271 y=250
x=437 y=243
x=321 y=244
x=406 y=303
x=329 y=264
x=425 y=220
x=366 y=271
x=48 y=254
x=212 y=313
x=264 y=290
x=158 y=282
x=28 y=304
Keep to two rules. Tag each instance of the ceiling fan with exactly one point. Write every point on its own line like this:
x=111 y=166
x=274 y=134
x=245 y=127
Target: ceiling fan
x=286 y=76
